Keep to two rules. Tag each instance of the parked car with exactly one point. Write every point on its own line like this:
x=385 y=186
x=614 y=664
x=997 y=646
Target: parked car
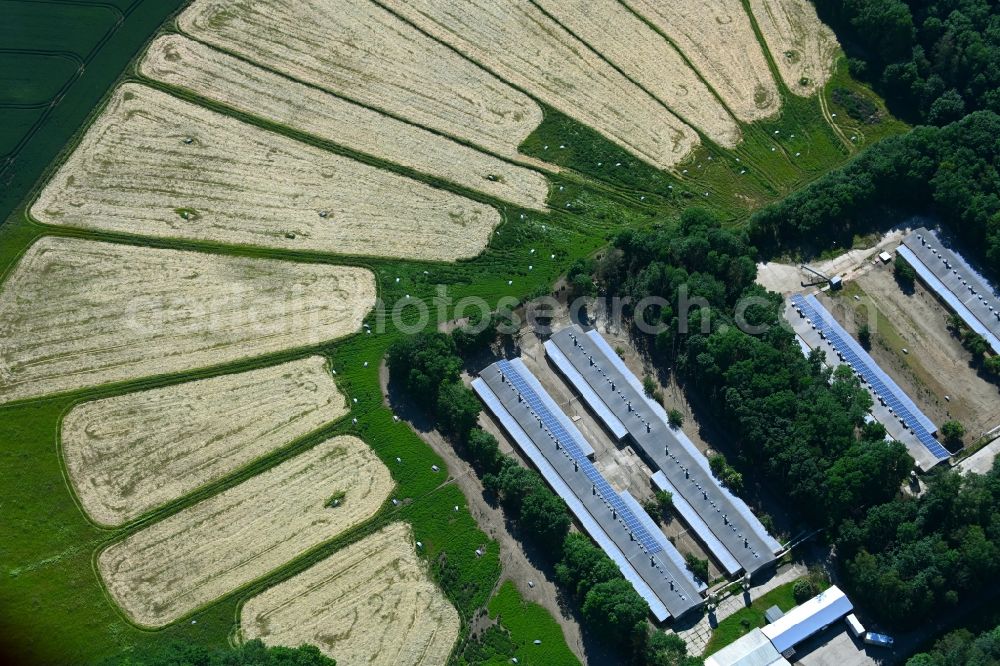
x=881 y=640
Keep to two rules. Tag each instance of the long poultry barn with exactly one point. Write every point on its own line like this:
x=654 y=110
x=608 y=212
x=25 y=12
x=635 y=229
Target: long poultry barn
x=955 y=282
x=722 y=522
x=615 y=521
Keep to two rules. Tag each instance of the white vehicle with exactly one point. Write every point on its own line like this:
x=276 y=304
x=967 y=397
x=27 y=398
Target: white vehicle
x=854 y=625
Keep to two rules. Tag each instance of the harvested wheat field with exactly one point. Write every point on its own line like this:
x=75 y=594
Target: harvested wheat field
x=558 y=69
x=356 y=49
x=371 y=603
x=132 y=453
x=155 y=165
x=718 y=40
x=222 y=78
x=647 y=58
x=76 y=313
x=204 y=552
x=802 y=46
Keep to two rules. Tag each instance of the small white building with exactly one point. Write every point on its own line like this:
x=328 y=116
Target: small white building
x=805 y=620
x=765 y=647
x=751 y=650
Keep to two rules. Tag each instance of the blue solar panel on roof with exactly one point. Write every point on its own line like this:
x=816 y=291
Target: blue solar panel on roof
x=568 y=442
x=871 y=374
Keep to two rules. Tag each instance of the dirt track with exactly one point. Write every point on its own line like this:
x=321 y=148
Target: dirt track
x=515 y=564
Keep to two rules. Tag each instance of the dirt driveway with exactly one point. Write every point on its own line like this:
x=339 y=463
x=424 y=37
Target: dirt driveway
x=515 y=563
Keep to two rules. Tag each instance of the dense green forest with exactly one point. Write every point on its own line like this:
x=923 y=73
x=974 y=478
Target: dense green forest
x=950 y=172
x=609 y=605
x=799 y=426
x=914 y=560
x=932 y=61
x=962 y=647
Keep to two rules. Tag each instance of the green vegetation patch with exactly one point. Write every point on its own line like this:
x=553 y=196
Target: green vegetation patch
x=33 y=79
x=526 y=623
x=746 y=619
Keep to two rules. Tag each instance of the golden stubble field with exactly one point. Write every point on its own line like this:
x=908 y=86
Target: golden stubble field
x=155 y=165
x=371 y=603
x=517 y=41
x=718 y=39
x=222 y=78
x=76 y=313
x=204 y=552
x=803 y=48
x=132 y=453
x=358 y=50
x=647 y=58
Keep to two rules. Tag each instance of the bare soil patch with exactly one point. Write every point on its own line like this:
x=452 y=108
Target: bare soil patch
x=182 y=62
x=520 y=43
x=212 y=548
x=934 y=365
x=155 y=165
x=132 y=453
x=370 y=603
x=77 y=313
x=358 y=50
x=716 y=36
x=802 y=46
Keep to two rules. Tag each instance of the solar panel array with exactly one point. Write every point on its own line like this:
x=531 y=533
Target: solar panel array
x=861 y=363
x=724 y=523
x=569 y=444
x=954 y=280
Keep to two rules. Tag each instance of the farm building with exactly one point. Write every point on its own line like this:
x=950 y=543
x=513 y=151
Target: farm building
x=955 y=282
x=721 y=521
x=770 y=646
x=751 y=650
x=893 y=407
x=614 y=520
x=808 y=618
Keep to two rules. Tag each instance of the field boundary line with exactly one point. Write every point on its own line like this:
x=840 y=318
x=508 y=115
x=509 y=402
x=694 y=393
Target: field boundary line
x=541 y=166
x=705 y=140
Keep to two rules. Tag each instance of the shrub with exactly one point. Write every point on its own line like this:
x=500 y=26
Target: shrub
x=953 y=432
x=865 y=336
x=905 y=275
x=457 y=410
x=803 y=591
x=697 y=566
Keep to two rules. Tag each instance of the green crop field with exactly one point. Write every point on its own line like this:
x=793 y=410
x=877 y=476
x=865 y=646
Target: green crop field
x=52 y=603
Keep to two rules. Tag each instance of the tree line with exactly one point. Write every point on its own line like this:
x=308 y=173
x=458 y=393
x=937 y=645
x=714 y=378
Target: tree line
x=427 y=368
x=932 y=61
x=800 y=428
x=251 y=653
x=799 y=425
x=962 y=647
x=949 y=172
